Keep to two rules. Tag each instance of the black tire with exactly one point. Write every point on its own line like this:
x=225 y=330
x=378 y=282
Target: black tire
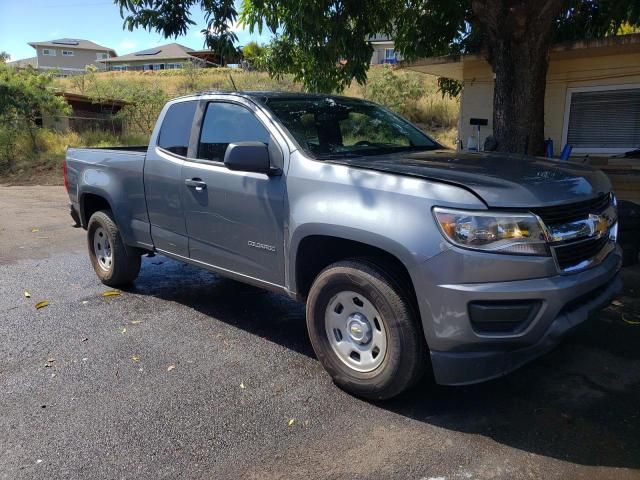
x=405 y=360
x=124 y=266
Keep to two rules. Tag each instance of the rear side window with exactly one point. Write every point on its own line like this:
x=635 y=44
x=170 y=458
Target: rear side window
x=176 y=127
x=226 y=123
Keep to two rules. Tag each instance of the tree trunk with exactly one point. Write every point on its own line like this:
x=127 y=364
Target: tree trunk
x=518 y=35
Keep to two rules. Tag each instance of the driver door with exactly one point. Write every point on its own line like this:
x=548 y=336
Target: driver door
x=234 y=220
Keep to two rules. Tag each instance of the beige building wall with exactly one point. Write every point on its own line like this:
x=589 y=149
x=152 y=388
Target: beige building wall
x=75 y=63
x=591 y=70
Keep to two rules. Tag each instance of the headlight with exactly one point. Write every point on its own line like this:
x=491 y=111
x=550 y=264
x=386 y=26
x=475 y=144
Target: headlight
x=496 y=232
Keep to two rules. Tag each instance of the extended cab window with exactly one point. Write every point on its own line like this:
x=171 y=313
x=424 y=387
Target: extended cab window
x=226 y=123
x=176 y=128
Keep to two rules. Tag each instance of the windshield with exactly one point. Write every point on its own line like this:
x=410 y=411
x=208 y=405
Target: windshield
x=332 y=127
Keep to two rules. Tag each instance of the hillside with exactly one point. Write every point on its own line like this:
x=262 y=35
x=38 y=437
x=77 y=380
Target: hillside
x=411 y=94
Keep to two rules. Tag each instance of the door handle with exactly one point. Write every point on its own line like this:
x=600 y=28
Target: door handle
x=196 y=183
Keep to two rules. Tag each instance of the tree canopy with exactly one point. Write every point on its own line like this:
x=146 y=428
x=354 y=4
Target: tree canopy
x=325 y=43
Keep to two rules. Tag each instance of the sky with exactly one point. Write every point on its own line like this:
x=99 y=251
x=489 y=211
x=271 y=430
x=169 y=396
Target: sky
x=23 y=21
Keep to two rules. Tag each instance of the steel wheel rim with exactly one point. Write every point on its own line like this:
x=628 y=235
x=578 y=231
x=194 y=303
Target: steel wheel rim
x=102 y=249
x=356 y=331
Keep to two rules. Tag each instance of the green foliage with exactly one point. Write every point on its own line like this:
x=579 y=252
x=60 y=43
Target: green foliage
x=324 y=44
x=397 y=92
x=25 y=95
x=144 y=101
x=27 y=162
x=449 y=86
x=411 y=94
x=256 y=55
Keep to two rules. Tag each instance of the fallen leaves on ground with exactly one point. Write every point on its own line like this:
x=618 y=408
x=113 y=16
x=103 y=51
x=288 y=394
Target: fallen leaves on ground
x=111 y=293
x=135 y=358
x=292 y=422
x=42 y=304
x=27 y=294
x=170 y=367
x=616 y=303
x=135 y=322
x=35 y=230
x=124 y=330
x=242 y=386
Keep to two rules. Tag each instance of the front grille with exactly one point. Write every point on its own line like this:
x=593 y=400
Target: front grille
x=574 y=211
x=572 y=254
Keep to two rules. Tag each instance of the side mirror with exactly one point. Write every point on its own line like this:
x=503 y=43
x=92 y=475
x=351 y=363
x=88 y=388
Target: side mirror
x=248 y=157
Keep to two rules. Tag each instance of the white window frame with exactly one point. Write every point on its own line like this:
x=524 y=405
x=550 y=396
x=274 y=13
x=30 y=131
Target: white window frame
x=67 y=53
x=567 y=111
x=102 y=56
x=49 y=52
x=393 y=51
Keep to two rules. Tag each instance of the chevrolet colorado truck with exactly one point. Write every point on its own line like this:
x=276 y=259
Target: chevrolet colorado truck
x=409 y=256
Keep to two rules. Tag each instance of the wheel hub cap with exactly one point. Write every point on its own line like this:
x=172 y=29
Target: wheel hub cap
x=102 y=249
x=359 y=328
x=356 y=331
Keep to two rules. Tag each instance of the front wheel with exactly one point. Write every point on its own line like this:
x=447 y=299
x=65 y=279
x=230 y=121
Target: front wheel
x=364 y=330
x=113 y=264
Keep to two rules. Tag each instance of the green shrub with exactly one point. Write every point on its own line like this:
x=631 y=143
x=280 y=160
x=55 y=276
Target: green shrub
x=397 y=92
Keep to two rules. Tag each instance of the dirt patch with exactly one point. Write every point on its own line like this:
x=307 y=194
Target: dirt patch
x=39 y=175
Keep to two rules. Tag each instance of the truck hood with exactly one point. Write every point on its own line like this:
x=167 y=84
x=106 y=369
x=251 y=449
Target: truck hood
x=500 y=180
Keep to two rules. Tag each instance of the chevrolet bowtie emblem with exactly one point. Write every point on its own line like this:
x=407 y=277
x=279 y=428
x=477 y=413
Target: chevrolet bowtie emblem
x=598 y=224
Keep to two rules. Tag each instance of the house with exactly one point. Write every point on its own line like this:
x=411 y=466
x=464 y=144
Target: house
x=68 y=56
x=164 y=57
x=592 y=94
x=383 y=50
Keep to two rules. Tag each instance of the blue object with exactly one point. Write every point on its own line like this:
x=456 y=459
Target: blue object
x=566 y=152
x=548 y=148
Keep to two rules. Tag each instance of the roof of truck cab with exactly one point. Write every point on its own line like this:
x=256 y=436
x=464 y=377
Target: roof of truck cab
x=268 y=94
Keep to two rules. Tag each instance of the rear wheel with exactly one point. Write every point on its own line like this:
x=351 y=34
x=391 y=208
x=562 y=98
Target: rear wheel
x=112 y=262
x=364 y=330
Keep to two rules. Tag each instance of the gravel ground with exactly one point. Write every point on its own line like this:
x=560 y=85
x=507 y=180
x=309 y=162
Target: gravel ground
x=190 y=375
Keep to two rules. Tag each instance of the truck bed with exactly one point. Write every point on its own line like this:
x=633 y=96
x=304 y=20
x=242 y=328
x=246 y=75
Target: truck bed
x=116 y=174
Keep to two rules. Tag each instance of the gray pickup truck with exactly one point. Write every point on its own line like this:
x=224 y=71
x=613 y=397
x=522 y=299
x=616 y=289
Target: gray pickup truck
x=409 y=256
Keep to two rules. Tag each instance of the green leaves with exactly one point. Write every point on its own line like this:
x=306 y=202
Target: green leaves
x=324 y=43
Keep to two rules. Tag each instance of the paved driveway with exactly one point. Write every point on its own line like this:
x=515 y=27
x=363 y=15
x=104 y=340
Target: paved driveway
x=189 y=375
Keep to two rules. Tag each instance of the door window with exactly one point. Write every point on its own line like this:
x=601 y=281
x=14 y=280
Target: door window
x=226 y=123
x=176 y=128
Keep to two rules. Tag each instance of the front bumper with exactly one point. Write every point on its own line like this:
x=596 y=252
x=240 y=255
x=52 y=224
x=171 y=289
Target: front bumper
x=462 y=355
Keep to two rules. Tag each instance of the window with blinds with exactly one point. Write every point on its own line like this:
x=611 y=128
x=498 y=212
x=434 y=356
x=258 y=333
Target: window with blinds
x=605 y=119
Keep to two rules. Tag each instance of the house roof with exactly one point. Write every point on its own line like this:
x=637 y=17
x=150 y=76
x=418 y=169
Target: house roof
x=25 y=62
x=79 y=98
x=163 y=52
x=452 y=66
x=73 y=43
